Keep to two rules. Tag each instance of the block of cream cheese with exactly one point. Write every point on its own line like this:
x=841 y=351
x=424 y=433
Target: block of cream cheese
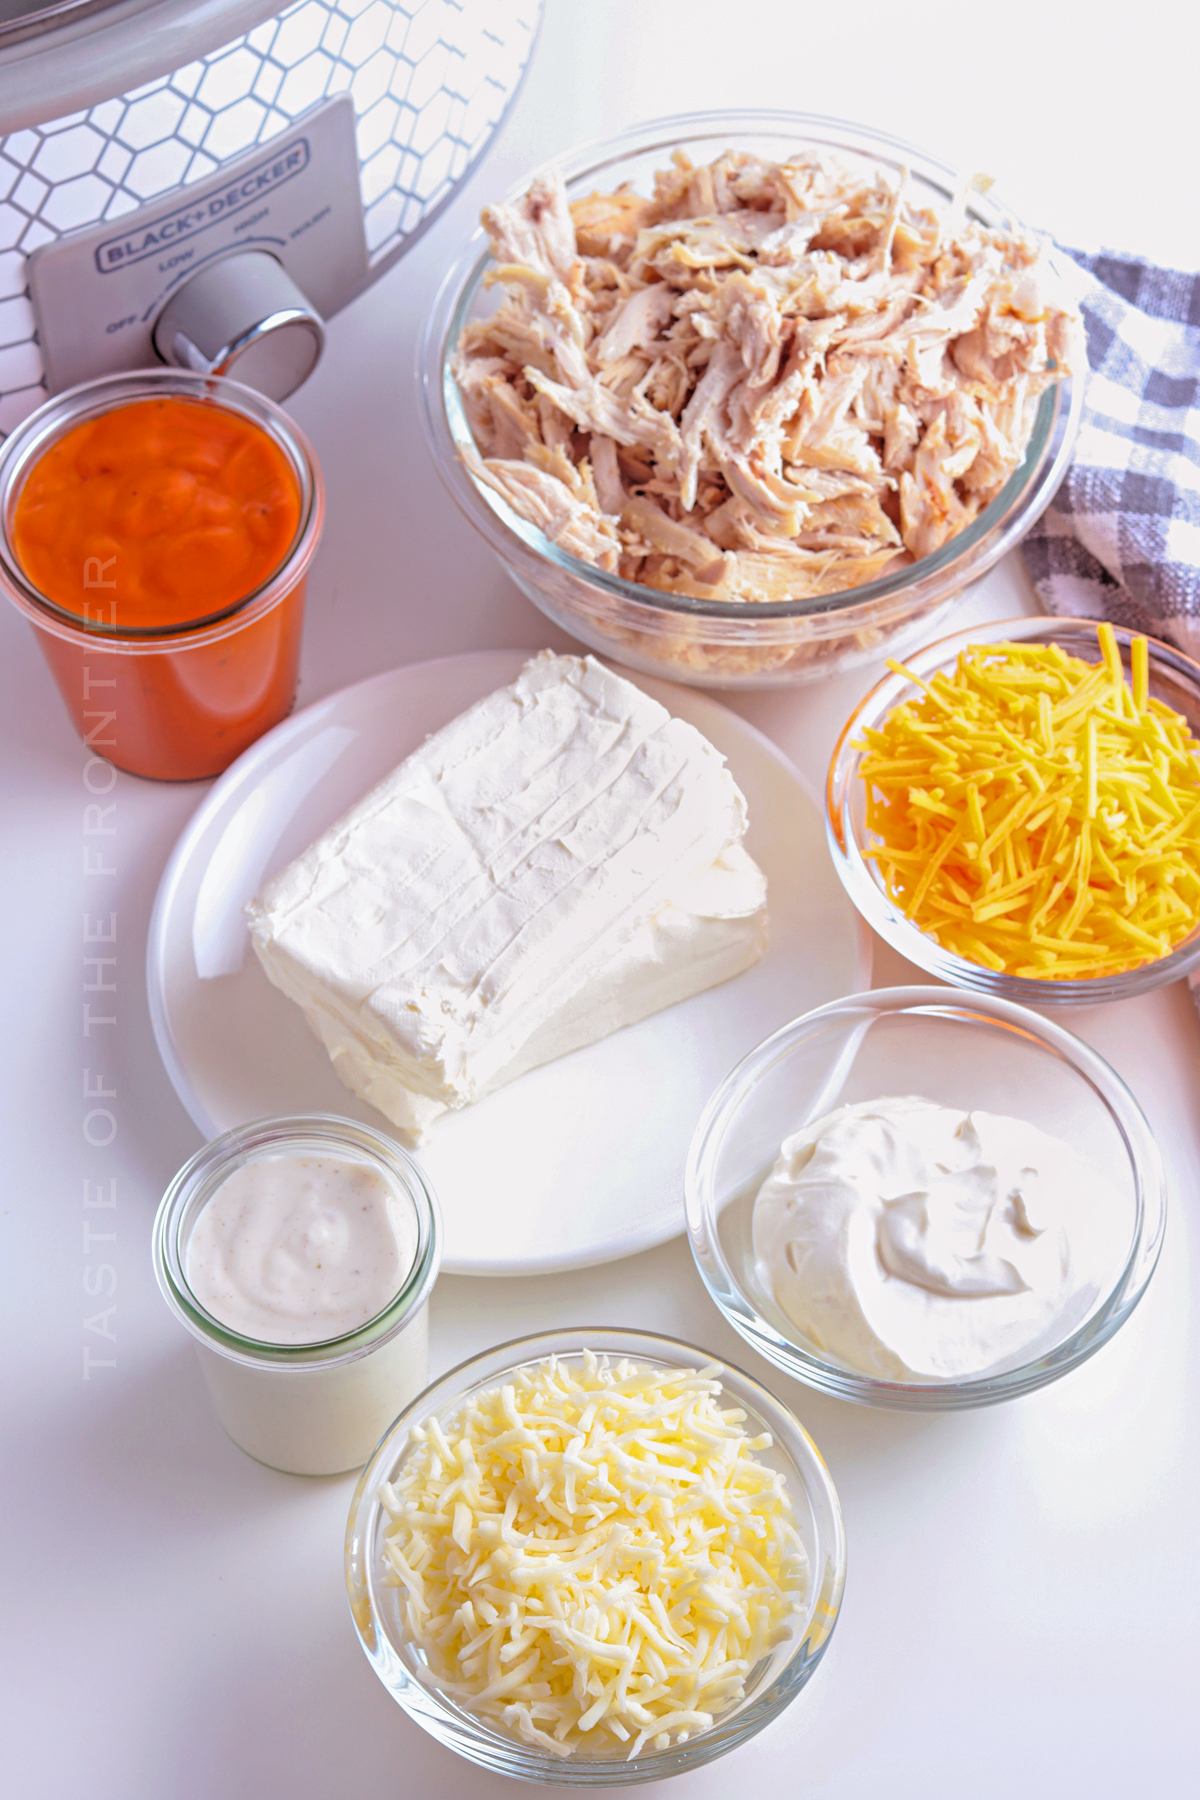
x=561 y=860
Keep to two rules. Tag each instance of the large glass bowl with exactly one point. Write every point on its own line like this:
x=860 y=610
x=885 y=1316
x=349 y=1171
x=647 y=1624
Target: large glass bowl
x=966 y=1052
x=1174 y=679
x=772 y=1684
x=717 y=643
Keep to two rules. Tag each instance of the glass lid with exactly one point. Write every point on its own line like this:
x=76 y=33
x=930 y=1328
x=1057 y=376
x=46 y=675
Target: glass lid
x=31 y=18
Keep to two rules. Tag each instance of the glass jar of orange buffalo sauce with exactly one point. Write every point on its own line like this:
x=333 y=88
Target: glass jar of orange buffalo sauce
x=156 y=530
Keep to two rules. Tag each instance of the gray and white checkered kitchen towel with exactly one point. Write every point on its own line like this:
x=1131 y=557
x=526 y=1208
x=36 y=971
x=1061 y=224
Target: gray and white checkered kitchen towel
x=1121 y=538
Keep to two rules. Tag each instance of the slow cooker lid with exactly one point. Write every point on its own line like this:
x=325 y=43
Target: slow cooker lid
x=59 y=58
x=33 y=18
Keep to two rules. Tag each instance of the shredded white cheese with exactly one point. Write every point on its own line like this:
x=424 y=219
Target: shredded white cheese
x=592 y=1549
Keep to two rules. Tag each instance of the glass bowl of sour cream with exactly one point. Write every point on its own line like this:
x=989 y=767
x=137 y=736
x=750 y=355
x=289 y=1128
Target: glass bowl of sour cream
x=300 y=1253
x=922 y=1200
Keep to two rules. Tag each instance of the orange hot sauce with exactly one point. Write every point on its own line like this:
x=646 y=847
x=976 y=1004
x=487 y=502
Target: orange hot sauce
x=167 y=515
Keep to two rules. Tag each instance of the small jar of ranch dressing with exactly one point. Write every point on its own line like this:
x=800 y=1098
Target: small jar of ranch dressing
x=300 y=1254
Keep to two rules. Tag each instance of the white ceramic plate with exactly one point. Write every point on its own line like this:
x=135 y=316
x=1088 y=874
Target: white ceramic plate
x=577 y=1162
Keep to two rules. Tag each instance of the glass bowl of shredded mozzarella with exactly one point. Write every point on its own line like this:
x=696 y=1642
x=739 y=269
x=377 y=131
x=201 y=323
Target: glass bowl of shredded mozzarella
x=1016 y=809
x=595 y=1558
x=750 y=442
x=924 y=1200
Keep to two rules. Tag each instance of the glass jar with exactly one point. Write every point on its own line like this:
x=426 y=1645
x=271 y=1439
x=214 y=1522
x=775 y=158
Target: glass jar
x=317 y=1408
x=175 y=703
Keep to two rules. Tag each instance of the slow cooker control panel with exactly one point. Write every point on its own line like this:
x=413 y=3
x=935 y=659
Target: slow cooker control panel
x=235 y=274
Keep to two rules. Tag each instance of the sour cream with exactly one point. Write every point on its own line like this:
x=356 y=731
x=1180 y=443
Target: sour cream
x=918 y=1243
x=300 y=1249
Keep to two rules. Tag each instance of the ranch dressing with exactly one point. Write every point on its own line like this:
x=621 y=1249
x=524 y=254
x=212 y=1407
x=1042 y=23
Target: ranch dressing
x=299 y=1249
x=918 y=1243
x=300 y=1254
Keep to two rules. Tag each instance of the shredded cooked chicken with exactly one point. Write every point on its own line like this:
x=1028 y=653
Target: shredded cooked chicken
x=771 y=381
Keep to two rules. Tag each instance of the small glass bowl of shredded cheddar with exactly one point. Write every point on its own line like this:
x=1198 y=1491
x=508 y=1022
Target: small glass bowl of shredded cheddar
x=1017 y=810
x=595 y=1558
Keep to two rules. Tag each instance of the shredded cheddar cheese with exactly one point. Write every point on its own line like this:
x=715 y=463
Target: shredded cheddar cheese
x=1037 y=814
x=591 y=1556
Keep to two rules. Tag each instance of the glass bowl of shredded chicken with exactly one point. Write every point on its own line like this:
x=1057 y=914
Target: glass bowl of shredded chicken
x=744 y=399
x=595 y=1558
x=1016 y=809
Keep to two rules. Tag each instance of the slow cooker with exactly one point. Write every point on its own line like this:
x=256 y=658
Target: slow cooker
x=205 y=182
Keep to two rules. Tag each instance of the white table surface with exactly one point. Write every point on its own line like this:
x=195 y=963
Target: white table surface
x=1021 y=1610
